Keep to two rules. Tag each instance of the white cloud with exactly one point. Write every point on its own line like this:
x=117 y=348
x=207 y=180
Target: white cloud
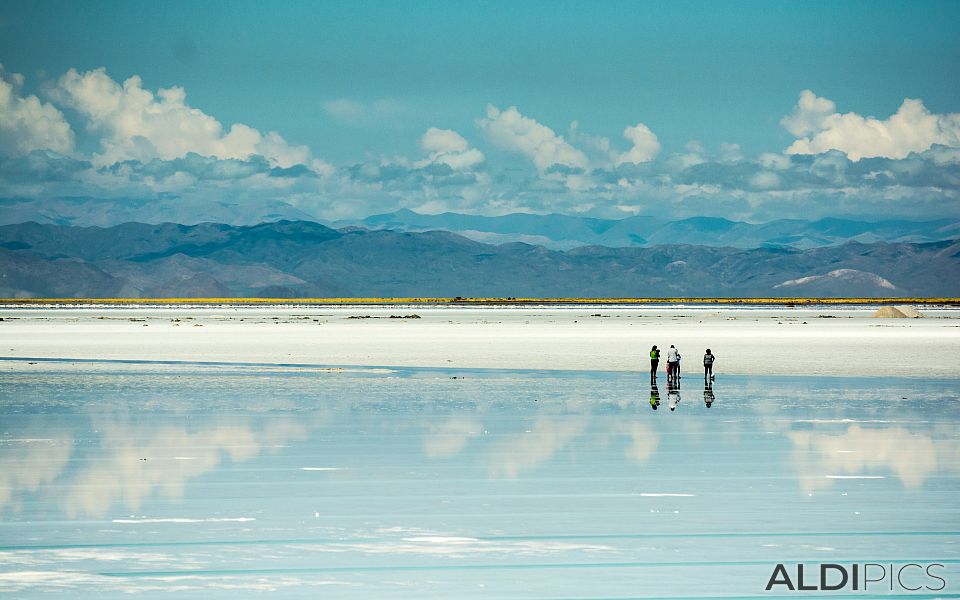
x=27 y=124
x=513 y=131
x=134 y=123
x=449 y=148
x=809 y=114
x=353 y=112
x=443 y=140
x=343 y=109
x=730 y=153
x=775 y=162
x=912 y=128
x=645 y=145
x=765 y=180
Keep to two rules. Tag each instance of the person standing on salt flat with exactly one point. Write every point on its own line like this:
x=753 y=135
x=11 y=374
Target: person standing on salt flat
x=708 y=366
x=654 y=363
x=673 y=362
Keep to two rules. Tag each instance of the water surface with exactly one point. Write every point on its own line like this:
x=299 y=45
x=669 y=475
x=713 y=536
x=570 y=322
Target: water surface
x=169 y=480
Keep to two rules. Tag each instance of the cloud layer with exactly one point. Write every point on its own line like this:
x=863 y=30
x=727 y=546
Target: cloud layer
x=90 y=135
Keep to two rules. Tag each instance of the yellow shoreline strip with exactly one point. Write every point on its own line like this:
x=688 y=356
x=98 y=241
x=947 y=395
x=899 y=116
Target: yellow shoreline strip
x=458 y=301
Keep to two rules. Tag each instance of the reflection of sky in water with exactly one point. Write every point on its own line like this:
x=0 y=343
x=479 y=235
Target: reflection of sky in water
x=464 y=483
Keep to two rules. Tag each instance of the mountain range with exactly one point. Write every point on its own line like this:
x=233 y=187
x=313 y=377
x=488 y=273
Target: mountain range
x=554 y=231
x=563 y=232
x=307 y=259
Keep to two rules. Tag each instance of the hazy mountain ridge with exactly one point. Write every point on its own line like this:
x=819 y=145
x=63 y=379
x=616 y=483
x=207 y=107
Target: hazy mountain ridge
x=303 y=259
x=108 y=212
x=555 y=231
x=563 y=232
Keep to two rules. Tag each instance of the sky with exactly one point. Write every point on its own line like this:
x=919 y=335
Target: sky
x=746 y=110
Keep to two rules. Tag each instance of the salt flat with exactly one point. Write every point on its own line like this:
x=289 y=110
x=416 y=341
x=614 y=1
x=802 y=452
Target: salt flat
x=842 y=341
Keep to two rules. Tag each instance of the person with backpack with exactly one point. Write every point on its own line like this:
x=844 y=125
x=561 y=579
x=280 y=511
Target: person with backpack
x=654 y=363
x=708 y=359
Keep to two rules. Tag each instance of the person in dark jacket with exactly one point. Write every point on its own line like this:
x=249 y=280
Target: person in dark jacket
x=708 y=359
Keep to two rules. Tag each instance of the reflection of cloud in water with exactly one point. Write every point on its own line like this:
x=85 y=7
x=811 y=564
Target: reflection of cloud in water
x=140 y=461
x=435 y=544
x=450 y=437
x=29 y=464
x=644 y=441
x=912 y=457
x=525 y=451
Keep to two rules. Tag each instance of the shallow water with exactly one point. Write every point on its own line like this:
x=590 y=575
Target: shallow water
x=173 y=480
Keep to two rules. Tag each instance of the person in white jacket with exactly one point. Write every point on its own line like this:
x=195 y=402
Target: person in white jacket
x=673 y=361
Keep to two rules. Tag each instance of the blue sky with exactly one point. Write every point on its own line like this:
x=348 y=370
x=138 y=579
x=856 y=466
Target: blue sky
x=352 y=89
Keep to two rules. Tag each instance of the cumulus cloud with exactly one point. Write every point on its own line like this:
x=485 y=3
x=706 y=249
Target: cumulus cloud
x=135 y=124
x=515 y=132
x=443 y=140
x=911 y=129
x=809 y=114
x=447 y=147
x=645 y=145
x=26 y=123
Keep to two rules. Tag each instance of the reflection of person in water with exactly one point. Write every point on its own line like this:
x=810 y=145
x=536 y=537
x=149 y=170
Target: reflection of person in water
x=673 y=396
x=708 y=397
x=654 y=396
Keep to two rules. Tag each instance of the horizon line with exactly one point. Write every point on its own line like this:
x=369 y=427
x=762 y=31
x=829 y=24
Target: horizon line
x=468 y=301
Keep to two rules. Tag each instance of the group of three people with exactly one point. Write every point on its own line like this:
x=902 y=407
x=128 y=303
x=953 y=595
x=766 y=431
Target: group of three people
x=673 y=364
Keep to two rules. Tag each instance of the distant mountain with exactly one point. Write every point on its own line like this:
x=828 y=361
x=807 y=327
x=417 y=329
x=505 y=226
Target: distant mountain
x=563 y=232
x=306 y=259
x=85 y=211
